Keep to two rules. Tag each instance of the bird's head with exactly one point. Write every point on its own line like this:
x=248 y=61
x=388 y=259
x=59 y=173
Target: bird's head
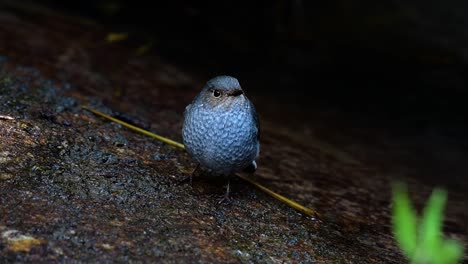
x=222 y=90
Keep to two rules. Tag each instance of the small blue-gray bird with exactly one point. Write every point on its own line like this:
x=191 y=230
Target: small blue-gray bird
x=221 y=129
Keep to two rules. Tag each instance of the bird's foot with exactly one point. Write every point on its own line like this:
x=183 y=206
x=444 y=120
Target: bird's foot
x=226 y=198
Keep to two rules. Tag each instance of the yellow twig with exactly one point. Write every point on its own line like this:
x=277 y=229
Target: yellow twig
x=137 y=129
x=115 y=37
x=279 y=197
x=287 y=201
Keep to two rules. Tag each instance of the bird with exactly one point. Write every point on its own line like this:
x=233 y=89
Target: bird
x=221 y=129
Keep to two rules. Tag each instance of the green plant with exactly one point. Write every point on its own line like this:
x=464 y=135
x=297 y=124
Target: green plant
x=421 y=239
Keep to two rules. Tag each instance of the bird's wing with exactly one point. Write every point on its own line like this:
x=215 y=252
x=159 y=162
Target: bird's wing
x=256 y=120
x=187 y=108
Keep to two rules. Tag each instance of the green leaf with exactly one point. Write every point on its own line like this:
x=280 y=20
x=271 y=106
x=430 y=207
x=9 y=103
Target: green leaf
x=422 y=240
x=404 y=221
x=451 y=252
x=431 y=224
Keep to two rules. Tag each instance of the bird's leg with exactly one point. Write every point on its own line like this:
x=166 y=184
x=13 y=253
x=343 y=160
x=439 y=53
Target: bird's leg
x=193 y=173
x=226 y=197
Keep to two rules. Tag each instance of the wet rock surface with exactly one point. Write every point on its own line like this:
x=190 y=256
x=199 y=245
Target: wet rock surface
x=76 y=187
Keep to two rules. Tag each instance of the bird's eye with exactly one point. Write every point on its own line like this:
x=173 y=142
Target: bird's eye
x=216 y=93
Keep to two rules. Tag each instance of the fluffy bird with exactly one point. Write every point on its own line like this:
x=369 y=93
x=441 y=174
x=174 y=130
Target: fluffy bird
x=221 y=129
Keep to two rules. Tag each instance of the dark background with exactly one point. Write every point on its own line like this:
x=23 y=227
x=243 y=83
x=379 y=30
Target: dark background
x=391 y=59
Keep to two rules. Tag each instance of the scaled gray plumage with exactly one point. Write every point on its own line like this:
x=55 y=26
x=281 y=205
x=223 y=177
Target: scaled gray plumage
x=221 y=129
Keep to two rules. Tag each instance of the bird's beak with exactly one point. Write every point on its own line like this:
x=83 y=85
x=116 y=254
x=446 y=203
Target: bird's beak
x=236 y=93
